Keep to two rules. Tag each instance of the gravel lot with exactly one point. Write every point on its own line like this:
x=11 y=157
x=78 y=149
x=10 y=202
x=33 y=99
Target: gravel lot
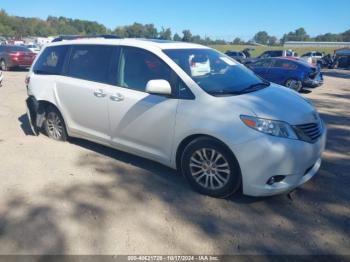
x=82 y=198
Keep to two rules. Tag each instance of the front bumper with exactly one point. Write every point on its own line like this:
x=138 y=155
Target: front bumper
x=270 y=156
x=317 y=81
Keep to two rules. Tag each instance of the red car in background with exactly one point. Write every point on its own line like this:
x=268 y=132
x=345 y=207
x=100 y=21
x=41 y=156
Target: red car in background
x=12 y=56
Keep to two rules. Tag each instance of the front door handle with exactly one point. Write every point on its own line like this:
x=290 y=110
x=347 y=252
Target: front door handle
x=99 y=93
x=117 y=97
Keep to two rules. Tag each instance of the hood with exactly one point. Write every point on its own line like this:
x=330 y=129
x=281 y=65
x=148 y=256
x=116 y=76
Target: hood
x=278 y=103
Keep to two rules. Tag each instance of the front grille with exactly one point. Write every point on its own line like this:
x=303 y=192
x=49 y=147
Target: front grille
x=309 y=132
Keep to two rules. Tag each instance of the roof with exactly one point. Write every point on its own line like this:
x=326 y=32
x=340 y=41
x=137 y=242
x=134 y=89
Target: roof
x=291 y=58
x=138 y=42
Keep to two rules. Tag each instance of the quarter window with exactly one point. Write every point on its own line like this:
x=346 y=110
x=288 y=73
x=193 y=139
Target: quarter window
x=90 y=62
x=51 y=61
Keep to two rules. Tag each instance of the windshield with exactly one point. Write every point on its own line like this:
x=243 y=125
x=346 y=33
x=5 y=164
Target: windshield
x=216 y=73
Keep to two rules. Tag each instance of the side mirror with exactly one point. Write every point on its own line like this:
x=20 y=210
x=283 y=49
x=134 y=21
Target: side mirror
x=158 y=87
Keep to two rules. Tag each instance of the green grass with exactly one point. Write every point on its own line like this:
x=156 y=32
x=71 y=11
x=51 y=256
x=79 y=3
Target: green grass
x=259 y=49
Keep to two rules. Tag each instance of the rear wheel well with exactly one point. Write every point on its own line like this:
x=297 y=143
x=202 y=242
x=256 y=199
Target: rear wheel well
x=43 y=105
x=189 y=139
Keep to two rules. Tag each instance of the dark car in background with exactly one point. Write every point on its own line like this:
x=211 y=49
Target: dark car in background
x=271 y=53
x=342 y=58
x=12 y=56
x=237 y=55
x=292 y=73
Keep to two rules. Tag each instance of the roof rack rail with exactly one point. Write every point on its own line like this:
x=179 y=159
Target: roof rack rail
x=73 y=37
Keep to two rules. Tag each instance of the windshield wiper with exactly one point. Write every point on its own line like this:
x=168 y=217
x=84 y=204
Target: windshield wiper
x=224 y=93
x=256 y=86
x=250 y=88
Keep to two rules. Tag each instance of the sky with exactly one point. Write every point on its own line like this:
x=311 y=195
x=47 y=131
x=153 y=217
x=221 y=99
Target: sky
x=218 y=19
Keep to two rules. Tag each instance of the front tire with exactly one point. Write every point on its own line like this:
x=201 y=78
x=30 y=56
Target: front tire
x=211 y=168
x=55 y=127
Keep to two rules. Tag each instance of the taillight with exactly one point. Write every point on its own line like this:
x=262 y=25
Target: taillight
x=14 y=55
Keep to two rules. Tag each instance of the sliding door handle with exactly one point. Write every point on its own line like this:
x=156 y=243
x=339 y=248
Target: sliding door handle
x=99 y=93
x=117 y=97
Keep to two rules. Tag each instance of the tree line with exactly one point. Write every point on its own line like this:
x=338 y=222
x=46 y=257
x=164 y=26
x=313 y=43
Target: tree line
x=299 y=34
x=18 y=27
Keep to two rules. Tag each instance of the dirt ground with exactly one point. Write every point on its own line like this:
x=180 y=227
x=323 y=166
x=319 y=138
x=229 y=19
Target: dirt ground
x=83 y=198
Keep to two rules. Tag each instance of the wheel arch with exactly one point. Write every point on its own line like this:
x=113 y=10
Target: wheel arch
x=42 y=106
x=182 y=145
x=292 y=77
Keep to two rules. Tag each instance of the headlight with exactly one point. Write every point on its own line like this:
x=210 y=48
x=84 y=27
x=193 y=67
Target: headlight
x=270 y=127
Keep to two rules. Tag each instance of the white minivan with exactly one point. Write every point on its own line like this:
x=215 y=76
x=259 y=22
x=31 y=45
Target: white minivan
x=184 y=105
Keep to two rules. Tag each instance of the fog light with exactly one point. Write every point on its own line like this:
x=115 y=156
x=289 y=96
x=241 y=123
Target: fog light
x=275 y=179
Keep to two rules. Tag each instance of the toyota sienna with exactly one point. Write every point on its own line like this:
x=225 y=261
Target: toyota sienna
x=184 y=105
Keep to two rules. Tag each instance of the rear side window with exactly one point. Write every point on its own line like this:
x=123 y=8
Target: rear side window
x=90 y=62
x=284 y=64
x=261 y=63
x=51 y=61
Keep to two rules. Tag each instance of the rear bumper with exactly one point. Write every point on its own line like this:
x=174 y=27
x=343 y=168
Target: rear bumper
x=21 y=64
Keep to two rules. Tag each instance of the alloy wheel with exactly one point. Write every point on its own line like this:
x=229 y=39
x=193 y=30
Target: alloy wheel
x=209 y=168
x=54 y=126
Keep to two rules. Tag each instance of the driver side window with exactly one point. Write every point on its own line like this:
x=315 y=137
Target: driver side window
x=138 y=66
